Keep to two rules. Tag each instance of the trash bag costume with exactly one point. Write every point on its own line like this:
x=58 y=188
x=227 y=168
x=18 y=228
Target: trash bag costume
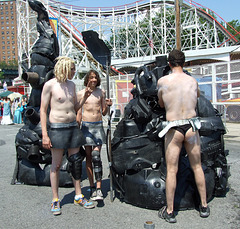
x=138 y=157
x=33 y=162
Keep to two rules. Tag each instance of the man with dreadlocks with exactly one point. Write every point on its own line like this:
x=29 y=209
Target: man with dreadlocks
x=63 y=133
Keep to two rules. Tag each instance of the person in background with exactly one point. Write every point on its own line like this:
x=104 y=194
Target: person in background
x=178 y=93
x=90 y=118
x=64 y=133
x=6 y=118
x=17 y=118
x=14 y=105
x=23 y=108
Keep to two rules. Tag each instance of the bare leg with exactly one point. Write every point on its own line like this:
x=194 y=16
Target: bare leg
x=76 y=183
x=57 y=155
x=173 y=145
x=89 y=167
x=192 y=146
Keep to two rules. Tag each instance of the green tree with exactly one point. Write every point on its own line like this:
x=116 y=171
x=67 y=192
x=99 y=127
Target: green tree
x=12 y=64
x=234 y=26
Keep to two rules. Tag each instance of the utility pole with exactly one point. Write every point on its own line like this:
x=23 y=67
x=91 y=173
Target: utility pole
x=178 y=28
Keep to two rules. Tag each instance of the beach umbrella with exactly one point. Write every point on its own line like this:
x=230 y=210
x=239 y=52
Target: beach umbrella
x=14 y=95
x=5 y=94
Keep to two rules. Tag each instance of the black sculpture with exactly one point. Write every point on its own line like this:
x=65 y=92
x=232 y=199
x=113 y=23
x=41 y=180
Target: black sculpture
x=33 y=161
x=138 y=153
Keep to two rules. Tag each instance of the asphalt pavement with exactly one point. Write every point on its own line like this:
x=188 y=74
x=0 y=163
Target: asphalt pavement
x=25 y=206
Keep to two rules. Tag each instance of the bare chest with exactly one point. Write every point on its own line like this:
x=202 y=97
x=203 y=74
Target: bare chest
x=94 y=98
x=62 y=93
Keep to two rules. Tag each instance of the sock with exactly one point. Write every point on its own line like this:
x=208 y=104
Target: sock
x=55 y=200
x=77 y=197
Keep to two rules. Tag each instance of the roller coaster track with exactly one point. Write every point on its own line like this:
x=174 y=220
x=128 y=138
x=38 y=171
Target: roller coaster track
x=207 y=16
x=70 y=31
x=138 y=30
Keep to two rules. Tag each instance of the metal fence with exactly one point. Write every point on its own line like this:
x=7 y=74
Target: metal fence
x=220 y=83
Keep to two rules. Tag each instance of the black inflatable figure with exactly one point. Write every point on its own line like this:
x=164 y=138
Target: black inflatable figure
x=33 y=161
x=138 y=164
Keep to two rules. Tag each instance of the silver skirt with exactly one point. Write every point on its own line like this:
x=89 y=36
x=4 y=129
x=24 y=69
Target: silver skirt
x=94 y=133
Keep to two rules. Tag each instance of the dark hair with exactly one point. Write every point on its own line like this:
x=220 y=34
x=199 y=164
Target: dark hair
x=176 y=58
x=86 y=79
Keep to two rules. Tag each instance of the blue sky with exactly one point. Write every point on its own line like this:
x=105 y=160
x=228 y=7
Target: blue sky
x=228 y=9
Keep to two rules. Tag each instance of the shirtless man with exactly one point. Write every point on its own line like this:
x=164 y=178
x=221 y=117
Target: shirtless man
x=91 y=113
x=63 y=133
x=178 y=93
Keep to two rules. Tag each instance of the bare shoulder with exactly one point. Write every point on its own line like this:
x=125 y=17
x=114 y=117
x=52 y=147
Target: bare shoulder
x=162 y=80
x=103 y=91
x=71 y=83
x=99 y=91
x=49 y=83
x=190 y=78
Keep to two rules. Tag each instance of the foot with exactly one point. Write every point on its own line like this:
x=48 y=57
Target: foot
x=83 y=202
x=99 y=194
x=204 y=211
x=55 y=207
x=169 y=217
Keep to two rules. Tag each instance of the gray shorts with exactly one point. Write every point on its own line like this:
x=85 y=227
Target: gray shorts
x=65 y=135
x=94 y=133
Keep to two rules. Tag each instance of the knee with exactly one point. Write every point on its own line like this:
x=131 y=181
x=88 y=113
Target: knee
x=96 y=156
x=55 y=167
x=197 y=167
x=97 y=164
x=75 y=165
x=172 y=170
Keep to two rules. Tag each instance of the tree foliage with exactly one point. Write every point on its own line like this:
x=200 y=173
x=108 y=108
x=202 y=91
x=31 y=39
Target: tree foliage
x=11 y=65
x=236 y=25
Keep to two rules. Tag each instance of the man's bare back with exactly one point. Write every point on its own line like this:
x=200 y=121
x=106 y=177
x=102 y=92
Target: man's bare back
x=178 y=93
x=62 y=99
x=93 y=105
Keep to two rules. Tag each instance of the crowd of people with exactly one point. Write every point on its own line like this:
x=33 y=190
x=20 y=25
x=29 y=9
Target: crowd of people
x=12 y=112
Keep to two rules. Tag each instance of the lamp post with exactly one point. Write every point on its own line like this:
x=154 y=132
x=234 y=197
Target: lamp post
x=178 y=28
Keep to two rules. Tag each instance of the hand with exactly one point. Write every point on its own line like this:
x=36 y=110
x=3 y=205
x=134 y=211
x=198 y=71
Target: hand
x=108 y=102
x=46 y=143
x=88 y=90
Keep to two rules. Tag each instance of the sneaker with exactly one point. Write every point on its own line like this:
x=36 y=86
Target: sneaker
x=170 y=218
x=84 y=203
x=204 y=211
x=93 y=193
x=99 y=194
x=55 y=207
